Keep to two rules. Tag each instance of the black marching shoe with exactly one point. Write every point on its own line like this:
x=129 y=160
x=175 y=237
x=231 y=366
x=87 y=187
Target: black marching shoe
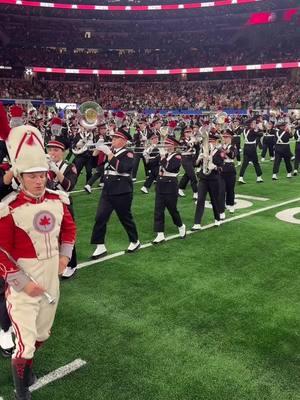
x=7 y=353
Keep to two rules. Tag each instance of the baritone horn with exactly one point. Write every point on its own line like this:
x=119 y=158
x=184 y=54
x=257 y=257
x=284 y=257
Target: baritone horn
x=164 y=131
x=221 y=117
x=90 y=114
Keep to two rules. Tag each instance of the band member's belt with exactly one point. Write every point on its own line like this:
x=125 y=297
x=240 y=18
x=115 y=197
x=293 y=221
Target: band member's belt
x=283 y=143
x=185 y=153
x=229 y=161
x=116 y=173
x=250 y=142
x=269 y=135
x=170 y=174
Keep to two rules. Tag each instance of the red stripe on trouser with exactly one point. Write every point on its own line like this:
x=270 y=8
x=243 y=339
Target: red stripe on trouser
x=17 y=332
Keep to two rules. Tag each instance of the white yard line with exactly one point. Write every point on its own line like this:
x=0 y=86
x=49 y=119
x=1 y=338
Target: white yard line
x=58 y=374
x=236 y=217
x=243 y=196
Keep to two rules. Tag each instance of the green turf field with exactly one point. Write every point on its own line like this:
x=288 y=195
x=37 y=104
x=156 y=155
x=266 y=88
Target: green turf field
x=213 y=317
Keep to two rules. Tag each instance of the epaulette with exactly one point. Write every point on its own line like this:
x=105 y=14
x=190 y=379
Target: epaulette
x=63 y=196
x=5 y=202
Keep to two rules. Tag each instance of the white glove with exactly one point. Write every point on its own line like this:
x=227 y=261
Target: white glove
x=53 y=167
x=105 y=149
x=162 y=152
x=98 y=144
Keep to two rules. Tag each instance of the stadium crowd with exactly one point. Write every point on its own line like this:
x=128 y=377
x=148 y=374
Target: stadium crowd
x=209 y=95
x=165 y=58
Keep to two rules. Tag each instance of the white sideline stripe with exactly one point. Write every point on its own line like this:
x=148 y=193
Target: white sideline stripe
x=243 y=196
x=121 y=253
x=58 y=374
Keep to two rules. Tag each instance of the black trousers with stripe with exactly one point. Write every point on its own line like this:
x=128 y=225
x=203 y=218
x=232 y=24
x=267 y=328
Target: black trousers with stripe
x=227 y=186
x=282 y=151
x=166 y=201
x=250 y=154
x=121 y=204
x=211 y=186
x=189 y=173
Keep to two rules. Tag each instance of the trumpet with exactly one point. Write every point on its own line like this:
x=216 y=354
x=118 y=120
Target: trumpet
x=93 y=146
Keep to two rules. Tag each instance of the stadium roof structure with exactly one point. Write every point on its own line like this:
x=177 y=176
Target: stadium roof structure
x=151 y=7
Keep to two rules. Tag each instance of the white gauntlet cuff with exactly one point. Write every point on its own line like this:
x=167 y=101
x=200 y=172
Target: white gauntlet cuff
x=17 y=280
x=66 y=250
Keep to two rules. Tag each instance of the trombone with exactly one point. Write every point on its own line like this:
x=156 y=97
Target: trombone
x=136 y=150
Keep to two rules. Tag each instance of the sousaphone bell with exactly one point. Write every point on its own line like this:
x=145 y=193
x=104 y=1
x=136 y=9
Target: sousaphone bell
x=90 y=114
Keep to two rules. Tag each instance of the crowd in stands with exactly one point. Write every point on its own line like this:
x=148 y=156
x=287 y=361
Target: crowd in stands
x=208 y=95
x=169 y=57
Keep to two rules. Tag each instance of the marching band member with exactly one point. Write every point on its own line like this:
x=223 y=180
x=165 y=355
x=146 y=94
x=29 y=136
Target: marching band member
x=268 y=141
x=228 y=174
x=139 y=140
x=236 y=139
x=167 y=190
x=152 y=158
x=210 y=160
x=297 y=147
x=100 y=160
x=117 y=193
x=156 y=125
x=62 y=176
x=39 y=234
x=250 y=152
x=83 y=156
x=282 y=149
x=188 y=161
x=6 y=340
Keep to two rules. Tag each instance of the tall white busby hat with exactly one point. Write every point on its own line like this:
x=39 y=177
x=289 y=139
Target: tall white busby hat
x=25 y=146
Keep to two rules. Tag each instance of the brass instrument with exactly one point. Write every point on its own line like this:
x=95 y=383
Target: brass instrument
x=90 y=113
x=86 y=138
x=206 y=156
x=134 y=149
x=164 y=131
x=220 y=119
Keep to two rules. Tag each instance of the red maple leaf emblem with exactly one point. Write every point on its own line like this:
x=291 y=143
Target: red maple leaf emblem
x=45 y=221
